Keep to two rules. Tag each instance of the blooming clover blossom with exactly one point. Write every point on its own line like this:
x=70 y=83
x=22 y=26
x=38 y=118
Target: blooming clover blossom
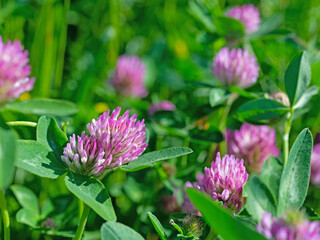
x=235 y=67
x=315 y=165
x=113 y=141
x=85 y=155
x=248 y=14
x=128 y=77
x=123 y=138
x=225 y=179
x=14 y=71
x=224 y=182
x=162 y=105
x=286 y=228
x=252 y=143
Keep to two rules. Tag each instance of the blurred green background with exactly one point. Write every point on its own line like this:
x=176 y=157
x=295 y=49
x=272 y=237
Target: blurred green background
x=74 y=46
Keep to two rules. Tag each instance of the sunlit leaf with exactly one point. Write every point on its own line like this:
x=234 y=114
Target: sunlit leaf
x=261 y=110
x=26 y=198
x=37 y=159
x=118 y=231
x=296 y=174
x=220 y=219
x=51 y=107
x=271 y=176
x=157 y=225
x=259 y=198
x=297 y=77
x=93 y=193
x=151 y=158
x=51 y=136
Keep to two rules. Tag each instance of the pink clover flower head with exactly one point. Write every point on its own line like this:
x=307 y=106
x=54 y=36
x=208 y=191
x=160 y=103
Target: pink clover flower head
x=85 y=155
x=254 y=144
x=161 y=106
x=235 y=67
x=123 y=138
x=248 y=14
x=224 y=182
x=128 y=78
x=315 y=165
x=284 y=228
x=14 y=71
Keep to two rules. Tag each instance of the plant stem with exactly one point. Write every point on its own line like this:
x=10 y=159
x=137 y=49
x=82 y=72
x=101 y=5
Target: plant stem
x=305 y=44
x=230 y=101
x=184 y=159
x=82 y=222
x=22 y=123
x=287 y=128
x=5 y=215
x=223 y=121
x=64 y=127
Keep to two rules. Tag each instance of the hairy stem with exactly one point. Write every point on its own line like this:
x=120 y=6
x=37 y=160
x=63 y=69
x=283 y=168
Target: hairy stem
x=82 y=222
x=287 y=128
x=5 y=215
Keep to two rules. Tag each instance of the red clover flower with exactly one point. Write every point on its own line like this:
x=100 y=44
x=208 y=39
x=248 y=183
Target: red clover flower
x=254 y=144
x=248 y=14
x=14 y=71
x=161 y=106
x=224 y=182
x=85 y=155
x=113 y=141
x=128 y=77
x=123 y=138
x=235 y=67
x=292 y=226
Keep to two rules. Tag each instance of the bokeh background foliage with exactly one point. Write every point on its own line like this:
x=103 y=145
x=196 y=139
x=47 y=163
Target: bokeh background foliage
x=73 y=48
